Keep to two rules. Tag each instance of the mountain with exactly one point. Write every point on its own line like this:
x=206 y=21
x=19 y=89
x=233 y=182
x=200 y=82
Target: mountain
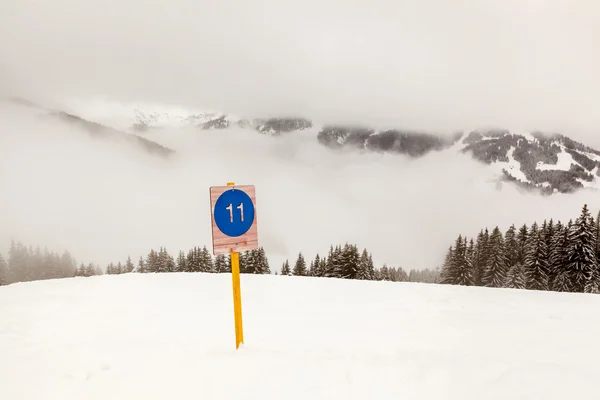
x=96 y=129
x=544 y=162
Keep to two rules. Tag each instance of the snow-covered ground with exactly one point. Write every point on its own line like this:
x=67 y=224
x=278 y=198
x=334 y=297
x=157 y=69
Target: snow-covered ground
x=563 y=163
x=171 y=336
x=512 y=166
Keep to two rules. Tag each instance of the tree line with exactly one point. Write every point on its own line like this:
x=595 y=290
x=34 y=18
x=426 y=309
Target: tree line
x=25 y=264
x=543 y=256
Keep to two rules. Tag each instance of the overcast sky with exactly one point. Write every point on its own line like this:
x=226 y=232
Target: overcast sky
x=430 y=64
x=105 y=200
x=427 y=64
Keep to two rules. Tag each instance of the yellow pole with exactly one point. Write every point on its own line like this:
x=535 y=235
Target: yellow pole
x=237 y=295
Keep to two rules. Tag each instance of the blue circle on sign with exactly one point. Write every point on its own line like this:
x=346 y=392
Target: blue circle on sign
x=234 y=212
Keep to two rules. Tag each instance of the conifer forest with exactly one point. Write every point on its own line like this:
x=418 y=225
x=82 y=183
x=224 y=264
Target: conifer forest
x=544 y=255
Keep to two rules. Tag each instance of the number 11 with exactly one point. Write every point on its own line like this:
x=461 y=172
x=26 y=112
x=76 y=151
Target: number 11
x=230 y=208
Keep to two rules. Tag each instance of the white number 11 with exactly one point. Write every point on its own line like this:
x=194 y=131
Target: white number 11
x=230 y=208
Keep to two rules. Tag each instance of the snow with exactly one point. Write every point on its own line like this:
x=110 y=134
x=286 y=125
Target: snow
x=592 y=156
x=171 y=336
x=564 y=162
x=528 y=136
x=124 y=115
x=513 y=167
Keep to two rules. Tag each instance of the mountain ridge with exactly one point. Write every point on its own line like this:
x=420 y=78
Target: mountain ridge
x=539 y=161
x=536 y=161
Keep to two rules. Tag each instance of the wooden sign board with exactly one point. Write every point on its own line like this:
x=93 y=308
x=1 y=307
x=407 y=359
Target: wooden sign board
x=233 y=216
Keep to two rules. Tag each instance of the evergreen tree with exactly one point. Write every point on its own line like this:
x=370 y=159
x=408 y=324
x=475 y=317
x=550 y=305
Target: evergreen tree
x=536 y=269
x=181 y=262
x=515 y=278
x=262 y=263
x=459 y=271
x=206 y=261
x=247 y=262
x=221 y=264
x=557 y=257
x=511 y=246
x=316 y=269
x=128 y=265
x=152 y=262
x=285 y=268
x=521 y=239
x=366 y=270
x=581 y=262
x=598 y=236
x=300 y=266
x=110 y=269
x=193 y=262
x=3 y=271
x=349 y=263
x=447 y=266
x=333 y=264
x=141 y=267
x=494 y=274
x=481 y=256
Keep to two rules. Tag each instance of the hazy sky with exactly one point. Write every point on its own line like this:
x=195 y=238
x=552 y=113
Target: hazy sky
x=428 y=64
x=435 y=64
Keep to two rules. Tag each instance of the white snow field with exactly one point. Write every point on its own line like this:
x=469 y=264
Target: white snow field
x=171 y=336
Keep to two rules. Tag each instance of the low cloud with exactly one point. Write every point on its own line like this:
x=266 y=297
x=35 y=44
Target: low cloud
x=105 y=200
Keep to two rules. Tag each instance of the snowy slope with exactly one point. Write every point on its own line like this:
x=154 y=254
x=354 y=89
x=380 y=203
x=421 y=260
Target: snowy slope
x=171 y=337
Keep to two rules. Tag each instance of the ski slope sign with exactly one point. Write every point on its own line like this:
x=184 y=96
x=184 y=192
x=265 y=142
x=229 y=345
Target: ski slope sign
x=233 y=215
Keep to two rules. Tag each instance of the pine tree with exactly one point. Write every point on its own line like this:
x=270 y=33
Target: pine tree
x=128 y=265
x=193 y=262
x=581 y=260
x=447 y=272
x=511 y=246
x=515 y=278
x=206 y=261
x=494 y=274
x=536 y=268
x=458 y=270
x=300 y=266
x=366 y=270
x=316 y=269
x=262 y=262
x=221 y=264
x=521 y=238
x=462 y=263
x=141 y=267
x=481 y=256
x=333 y=264
x=349 y=263
x=285 y=268
x=3 y=271
x=598 y=236
x=152 y=262
x=557 y=256
x=181 y=262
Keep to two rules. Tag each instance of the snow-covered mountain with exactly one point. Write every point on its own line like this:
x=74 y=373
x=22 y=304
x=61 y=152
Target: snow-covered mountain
x=545 y=162
x=548 y=162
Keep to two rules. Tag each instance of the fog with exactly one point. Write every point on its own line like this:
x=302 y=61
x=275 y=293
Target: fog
x=104 y=200
x=431 y=65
